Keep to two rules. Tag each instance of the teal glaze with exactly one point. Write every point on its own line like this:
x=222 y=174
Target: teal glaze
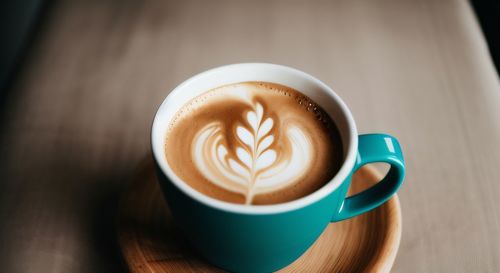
x=241 y=242
x=375 y=148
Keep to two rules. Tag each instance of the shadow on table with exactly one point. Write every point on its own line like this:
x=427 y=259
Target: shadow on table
x=488 y=12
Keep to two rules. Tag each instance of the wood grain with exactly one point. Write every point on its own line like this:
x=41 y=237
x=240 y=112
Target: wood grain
x=76 y=123
x=150 y=242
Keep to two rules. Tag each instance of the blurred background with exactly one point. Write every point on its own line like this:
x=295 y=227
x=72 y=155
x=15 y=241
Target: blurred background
x=81 y=80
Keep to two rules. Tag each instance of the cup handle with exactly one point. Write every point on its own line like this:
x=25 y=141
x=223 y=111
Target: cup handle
x=374 y=148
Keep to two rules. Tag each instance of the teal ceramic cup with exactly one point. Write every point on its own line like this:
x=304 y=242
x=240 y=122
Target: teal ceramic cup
x=265 y=238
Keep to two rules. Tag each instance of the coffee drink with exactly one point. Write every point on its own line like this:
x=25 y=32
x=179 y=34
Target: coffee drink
x=253 y=143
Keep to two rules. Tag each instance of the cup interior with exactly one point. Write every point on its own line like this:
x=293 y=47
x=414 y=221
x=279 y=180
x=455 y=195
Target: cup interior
x=236 y=73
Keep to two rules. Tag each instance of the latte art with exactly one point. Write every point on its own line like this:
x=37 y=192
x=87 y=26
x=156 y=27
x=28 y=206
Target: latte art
x=253 y=143
x=256 y=168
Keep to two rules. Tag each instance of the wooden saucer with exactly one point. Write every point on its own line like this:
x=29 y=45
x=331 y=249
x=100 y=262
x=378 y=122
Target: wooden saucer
x=150 y=243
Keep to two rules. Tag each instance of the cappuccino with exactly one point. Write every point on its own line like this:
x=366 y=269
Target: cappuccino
x=253 y=143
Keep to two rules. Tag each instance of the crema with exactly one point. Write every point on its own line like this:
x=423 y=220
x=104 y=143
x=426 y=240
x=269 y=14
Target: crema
x=253 y=143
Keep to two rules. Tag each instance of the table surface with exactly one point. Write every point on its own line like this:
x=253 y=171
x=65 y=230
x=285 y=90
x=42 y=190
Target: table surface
x=76 y=123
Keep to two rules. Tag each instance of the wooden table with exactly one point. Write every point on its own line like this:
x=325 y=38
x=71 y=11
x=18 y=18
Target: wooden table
x=77 y=121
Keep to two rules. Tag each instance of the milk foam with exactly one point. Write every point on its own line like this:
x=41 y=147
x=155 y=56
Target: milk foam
x=256 y=167
x=259 y=141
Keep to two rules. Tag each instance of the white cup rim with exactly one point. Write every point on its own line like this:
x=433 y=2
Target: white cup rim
x=158 y=137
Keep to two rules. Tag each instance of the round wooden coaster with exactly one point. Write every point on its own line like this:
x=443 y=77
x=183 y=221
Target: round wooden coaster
x=150 y=242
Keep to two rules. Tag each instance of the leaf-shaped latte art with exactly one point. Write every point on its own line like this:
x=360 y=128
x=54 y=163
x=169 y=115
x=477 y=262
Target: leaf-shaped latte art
x=256 y=167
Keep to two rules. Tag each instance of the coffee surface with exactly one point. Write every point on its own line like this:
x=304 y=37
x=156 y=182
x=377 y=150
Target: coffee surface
x=253 y=143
